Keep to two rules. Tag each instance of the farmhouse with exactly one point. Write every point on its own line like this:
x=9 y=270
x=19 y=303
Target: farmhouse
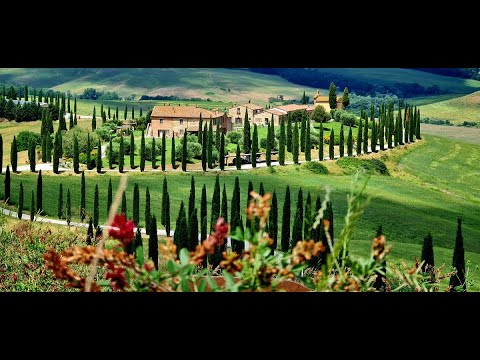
x=175 y=120
x=323 y=100
x=237 y=113
x=261 y=118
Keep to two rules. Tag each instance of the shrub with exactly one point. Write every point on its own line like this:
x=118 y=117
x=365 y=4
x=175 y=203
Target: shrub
x=352 y=165
x=348 y=118
x=263 y=144
x=148 y=149
x=315 y=167
x=81 y=135
x=126 y=144
x=107 y=130
x=233 y=136
x=24 y=138
x=194 y=151
x=320 y=114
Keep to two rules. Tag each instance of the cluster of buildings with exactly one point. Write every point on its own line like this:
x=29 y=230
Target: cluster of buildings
x=175 y=120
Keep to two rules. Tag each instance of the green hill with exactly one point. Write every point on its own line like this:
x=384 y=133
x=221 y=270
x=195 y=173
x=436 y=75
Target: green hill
x=217 y=84
x=456 y=110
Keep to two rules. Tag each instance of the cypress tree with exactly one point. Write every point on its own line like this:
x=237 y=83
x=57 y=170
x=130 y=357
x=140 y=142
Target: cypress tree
x=83 y=213
x=295 y=144
x=382 y=134
x=184 y=152
x=125 y=113
x=32 y=155
x=304 y=99
x=238 y=162
x=302 y=134
x=281 y=147
x=76 y=155
x=154 y=154
x=308 y=143
x=142 y=151
x=359 y=138
x=109 y=114
x=99 y=158
x=109 y=196
x=246 y=134
x=133 y=112
x=13 y=154
x=110 y=154
x=210 y=145
x=164 y=200
x=1 y=154
x=331 y=145
x=25 y=92
x=90 y=232
x=132 y=151
x=124 y=204
x=75 y=120
x=50 y=123
x=342 y=142
x=412 y=126
x=261 y=189
x=273 y=221
x=300 y=210
x=286 y=221
x=96 y=207
x=69 y=207
x=164 y=153
x=296 y=231
x=217 y=135
x=418 y=135
x=191 y=198
x=7 y=182
x=427 y=254
x=320 y=143
x=215 y=212
x=350 y=142
x=269 y=147
x=32 y=207
x=365 y=136
x=203 y=214
x=396 y=134
x=192 y=230
x=138 y=242
x=44 y=149
x=204 y=148
x=272 y=133
x=345 y=98
x=71 y=124
x=89 y=153
x=200 y=132
x=180 y=237
x=55 y=154
x=255 y=146
x=116 y=113
x=458 y=279
x=224 y=207
x=62 y=124
x=20 y=202
x=167 y=215
x=153 y=242
x=289 y=134
x=332 y=96
x=60 y=202
x=222 y=152
x=172 y=155
x=136 y=205
x=121 y=155
x=248 y=222
x=307 y=222
x=147 y=211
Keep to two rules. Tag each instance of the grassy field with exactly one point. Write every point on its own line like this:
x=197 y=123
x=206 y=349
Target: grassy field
x=456 y=133
x=216 y=84
x=457 y=110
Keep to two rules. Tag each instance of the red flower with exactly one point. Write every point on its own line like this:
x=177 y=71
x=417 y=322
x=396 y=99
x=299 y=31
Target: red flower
x=217 y=238
x=122 y=229
x=117 y=276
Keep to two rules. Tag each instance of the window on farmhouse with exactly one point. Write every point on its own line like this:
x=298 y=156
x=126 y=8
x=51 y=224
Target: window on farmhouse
x=161 y=121
x=181 y=121
x=238 y=111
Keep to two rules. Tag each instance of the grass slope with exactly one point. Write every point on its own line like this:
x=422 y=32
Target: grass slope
x=457 y=110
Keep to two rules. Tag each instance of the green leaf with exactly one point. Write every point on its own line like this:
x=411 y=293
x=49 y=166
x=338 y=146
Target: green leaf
x=202 y=285
x=139 y=255
x=172 y=268
x=237 y=234
x=229 y=282
x=184 y=256
x=184 y=285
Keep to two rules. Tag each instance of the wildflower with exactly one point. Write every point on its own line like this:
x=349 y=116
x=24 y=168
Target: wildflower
x=117 y=276
x=217 y=238
x=305 y=250
x=231 y=262
x=149 y=266
x=168 y=250
x=378 y=248
x=121 y=229
x=198 y=256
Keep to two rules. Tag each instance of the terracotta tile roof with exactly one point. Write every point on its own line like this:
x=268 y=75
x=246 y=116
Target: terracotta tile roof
x=183 y=112
x=275 y=111
x=248 y=106
x=294 y=107
x=326 y=99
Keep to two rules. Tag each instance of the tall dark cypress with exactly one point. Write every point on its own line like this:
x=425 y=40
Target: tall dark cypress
x=203 y=214
x=222 y=152
x=13 y=154
x=180 y=237
x=217 y=135
x=154 y=154
x=147 y=210
x=94 y=120
x=164 y=152
x=124 y=204
x=238 y=162
x=381 y=135
x=191 y=198
x=142 y=151
x=210 y=146
x=7 y=183
x=172 y=155
x=48 y=150
x=167 y=215
x=273 y=221
x=359 y=138
x=373 y=140
x=39 y=192
x=248 y=221
x=350 y=143
x=164 y=200
x=44 y=149
x=224 y=207
x=121 y=155
x=261 y=189
x=308 y=217
x=200 y=130
x=255 y=145
x=192 y=230
x=20 y=202
x=96 y=207
x=320 y=142
x=32 y=206
x=83 y=212
x=418 y=135
x=71 y=124
x=289 y=134
x=56 y=155
x=297 y=230
x=110 y=154
x=76 y=156
x=132 y=151
x=300 y=210
x=295 y=144
x=109 y=196
x=136 y=205
x=98 y=163
x=285 y=241
x=204 y=147
x=184 y=152
x=60 y=202
x=281 y=146
x=308 y=142
x=427 y=253
x=69 y=207
x=246 y=133
x=89 y=153
x=153 y=242
x=125 y=112
x=458 y=279
x=331 y=145
x=342 y=142
x=215 y=212
x=303 y=136
x=269 y=147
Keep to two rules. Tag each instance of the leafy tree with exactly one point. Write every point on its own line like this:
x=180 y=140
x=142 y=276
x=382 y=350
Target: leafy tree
x=147 y=210
x=295 y=144
x=136 y=205
x=458 y=281
x=60 y=202
x=153 y=242
x=7 y=182
x=238 y=162
x=121 y=155
x=345 y=98
x=255 y=146
x=331 y=152
x=99 y=158
x=20 y=202
x=427 y=253
x=132 y=151
x=281 y=149
x=13 y=154
x=109 y=196
x=39 y=193
x=96 y=207
x=332 y=96
x=142 y=150
x=285 y=243
x=320 y=115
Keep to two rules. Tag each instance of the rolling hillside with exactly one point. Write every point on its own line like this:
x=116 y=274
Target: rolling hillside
x=456 y=110
x=216 y=84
